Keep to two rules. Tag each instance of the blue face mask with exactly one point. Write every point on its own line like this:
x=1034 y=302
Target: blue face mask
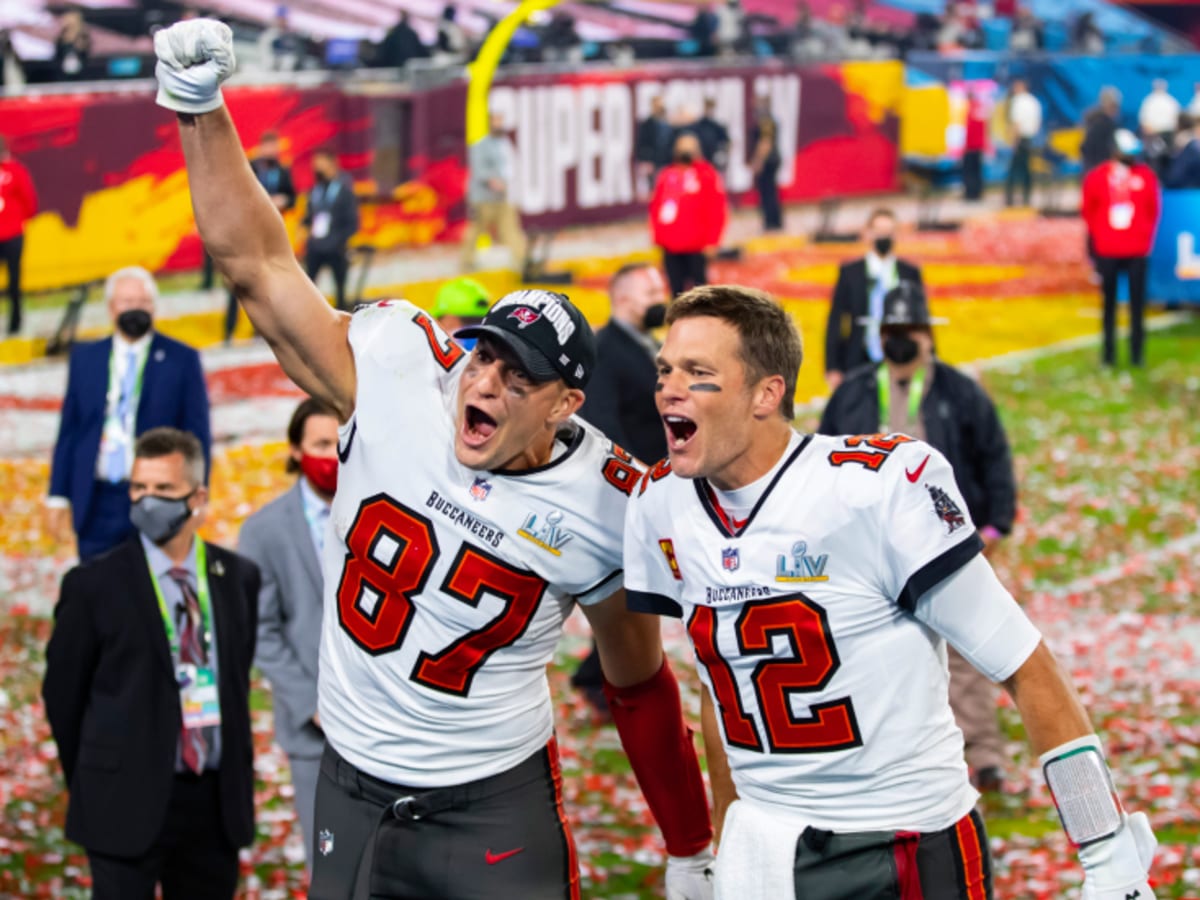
x=467 y=344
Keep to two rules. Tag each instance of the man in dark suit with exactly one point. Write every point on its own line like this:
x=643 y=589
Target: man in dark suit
x=713 y=136
x=331 y=220
x=852 y=331
x=118 y=388
x=147 y=691
x=620 y=395
x=914 y=393
x=276 y=179
x=285 y=539
x=652 y=146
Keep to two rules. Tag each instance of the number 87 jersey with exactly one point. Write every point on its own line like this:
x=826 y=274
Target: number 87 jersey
x=830 y=695
x=446 y=588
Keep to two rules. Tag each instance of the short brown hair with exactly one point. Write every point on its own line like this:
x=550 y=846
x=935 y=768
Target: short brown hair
x=309 y=407
x=769 y=341
x=881 y=212
x=624 y=272
x=164 y=441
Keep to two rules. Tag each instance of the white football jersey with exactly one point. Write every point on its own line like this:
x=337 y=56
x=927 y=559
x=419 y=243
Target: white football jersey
x=831 y=696
x=446 y=588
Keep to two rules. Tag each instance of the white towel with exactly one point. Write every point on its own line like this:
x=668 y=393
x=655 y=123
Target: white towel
x=757 y=854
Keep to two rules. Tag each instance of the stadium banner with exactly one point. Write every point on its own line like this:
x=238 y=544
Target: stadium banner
x=1174 y=270
x=113 y=189
x=574 y=133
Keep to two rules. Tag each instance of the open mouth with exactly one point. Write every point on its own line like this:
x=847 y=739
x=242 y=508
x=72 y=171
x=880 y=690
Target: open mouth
x=478 y=426
x=680 y=431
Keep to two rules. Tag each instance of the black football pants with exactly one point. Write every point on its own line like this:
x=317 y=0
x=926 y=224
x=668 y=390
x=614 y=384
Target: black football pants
x=498 y=838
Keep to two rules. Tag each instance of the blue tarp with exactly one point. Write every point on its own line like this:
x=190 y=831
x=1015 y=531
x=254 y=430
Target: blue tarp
x=1174 y=271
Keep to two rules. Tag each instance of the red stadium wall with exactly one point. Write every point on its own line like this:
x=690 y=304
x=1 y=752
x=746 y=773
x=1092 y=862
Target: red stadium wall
x=114 y=192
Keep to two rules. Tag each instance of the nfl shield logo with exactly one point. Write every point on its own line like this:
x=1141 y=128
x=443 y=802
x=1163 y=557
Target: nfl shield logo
x=480 y=490
x=325 y=842
x=729 y=559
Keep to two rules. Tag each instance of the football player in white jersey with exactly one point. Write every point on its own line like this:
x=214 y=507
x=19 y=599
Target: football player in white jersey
x=473 y=512
x=820 y=579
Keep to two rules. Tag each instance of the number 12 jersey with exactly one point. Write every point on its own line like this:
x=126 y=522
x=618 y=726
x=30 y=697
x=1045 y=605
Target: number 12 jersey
x=830 y=694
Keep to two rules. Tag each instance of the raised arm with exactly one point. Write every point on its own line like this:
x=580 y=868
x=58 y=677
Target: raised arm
x=239 y=224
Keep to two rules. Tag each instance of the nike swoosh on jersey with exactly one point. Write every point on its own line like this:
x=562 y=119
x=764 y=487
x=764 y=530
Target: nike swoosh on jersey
x=492 y=858
x=913 y=476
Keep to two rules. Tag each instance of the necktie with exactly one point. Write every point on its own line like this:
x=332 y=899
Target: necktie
x=874 y=344
x=322 y=519
x=116 y=465
x=193 y=742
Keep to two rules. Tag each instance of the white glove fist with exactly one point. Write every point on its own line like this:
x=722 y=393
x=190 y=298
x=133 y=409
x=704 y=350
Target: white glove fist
x=194 y=57
x=1116 y=869
x=690 y=877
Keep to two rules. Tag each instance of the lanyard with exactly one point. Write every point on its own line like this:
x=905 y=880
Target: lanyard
x=329 y=192
x=114 y=389
x=201 y=595
x=884 y=384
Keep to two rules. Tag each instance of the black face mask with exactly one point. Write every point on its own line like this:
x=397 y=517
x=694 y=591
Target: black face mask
x=133 y=323
x=655 y=316
x=900 y=348
x=883 y=245
x=686 y=158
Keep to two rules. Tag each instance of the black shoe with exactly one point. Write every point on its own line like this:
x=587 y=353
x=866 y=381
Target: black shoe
x=989 y=780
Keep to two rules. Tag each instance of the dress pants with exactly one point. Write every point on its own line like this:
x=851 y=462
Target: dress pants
x=972 y=163
x=685 y=270
x=501 y=220
x=192 y=858
x=306 y=771
x=1019 y=172
x=973 y=701
x=767 y=184
x=107 y=523
x=10 y=252
x=1135 y=269
x=339 y=264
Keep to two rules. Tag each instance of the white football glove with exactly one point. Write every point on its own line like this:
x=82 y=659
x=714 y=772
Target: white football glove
x=194 y=57
x=1116 y=869
x=690 y=877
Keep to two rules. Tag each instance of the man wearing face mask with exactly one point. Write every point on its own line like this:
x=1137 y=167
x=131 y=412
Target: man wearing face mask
x=331 y=220
x=285 y=539
x=147 y=691
x=916 y=394
x=1121 y=208
x=118 y=388
x=852 y=331
x=620 y=398
x=687 y=214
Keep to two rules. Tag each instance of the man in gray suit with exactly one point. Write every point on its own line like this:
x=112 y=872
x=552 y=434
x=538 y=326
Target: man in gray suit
x=285 y=539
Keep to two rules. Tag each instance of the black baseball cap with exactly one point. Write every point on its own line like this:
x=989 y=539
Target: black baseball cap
x=905 y=306
x=545 y=331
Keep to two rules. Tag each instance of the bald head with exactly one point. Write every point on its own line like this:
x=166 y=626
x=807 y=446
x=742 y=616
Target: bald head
x=687 y=147
x=634 y=289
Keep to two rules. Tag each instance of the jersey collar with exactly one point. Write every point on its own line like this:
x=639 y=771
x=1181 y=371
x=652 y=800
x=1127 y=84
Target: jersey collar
x=717 y=515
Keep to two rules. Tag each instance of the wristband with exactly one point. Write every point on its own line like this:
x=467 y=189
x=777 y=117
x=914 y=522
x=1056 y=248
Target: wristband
x=1083 y=792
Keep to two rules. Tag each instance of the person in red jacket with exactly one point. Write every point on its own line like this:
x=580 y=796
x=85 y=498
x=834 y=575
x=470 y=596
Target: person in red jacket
x=1121 y=211
x=687 y=214
x=18 y=203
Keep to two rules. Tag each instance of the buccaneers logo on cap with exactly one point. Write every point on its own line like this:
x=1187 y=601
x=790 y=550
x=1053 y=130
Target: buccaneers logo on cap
x=525 y=315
